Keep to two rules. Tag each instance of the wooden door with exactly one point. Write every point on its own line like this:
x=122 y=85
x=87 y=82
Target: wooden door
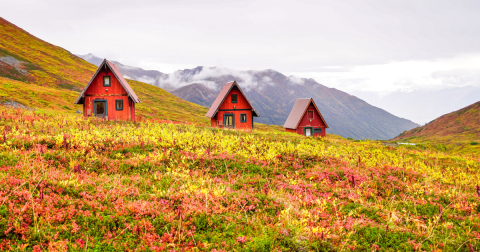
x=229 y=121
x=100 y=108
x=308 y=131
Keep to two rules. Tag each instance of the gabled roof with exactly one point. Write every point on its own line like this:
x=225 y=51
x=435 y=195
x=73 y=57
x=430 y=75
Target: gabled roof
x=221 y=97
x=298 y=111
x=119 y=77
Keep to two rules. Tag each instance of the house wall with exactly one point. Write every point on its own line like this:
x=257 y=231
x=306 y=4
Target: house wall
x=241 y=107
x=96 y=91
x=315 y=123
x=291 y=130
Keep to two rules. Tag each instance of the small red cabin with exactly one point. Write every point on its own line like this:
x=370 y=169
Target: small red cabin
x=231 y=109
x=305 y=119
x=108 y=95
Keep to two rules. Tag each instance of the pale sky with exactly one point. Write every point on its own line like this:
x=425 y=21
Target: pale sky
x=370 y=46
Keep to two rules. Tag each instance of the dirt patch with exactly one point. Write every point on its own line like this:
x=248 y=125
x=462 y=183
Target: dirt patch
x=17 y=64
x=14 y=104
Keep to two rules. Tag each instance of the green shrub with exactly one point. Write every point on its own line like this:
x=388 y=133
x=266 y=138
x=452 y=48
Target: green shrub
x=385 y=239
x=441 y=147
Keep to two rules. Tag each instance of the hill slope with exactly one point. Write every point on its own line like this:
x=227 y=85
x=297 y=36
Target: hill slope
x=41 y=75
x=457 y=128
x=120 y=186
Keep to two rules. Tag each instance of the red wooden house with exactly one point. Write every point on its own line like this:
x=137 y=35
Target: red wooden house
x=231 y=109
x=108 y=95
x=305 y=119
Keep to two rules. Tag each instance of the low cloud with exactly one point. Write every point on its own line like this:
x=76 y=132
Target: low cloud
x=214 y=78
x=296 y=80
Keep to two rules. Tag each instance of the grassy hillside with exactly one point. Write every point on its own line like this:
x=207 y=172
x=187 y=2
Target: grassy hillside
x=73 y=184
x=458 y=131
x=43 y=63
x=40 y=75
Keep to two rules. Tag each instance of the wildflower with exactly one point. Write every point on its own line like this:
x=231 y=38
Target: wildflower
x=64 y=141
x=37 y=248
x=265 y=189
x=241 y=239
x=77 y=168
x=75 y=227
x=470 y=248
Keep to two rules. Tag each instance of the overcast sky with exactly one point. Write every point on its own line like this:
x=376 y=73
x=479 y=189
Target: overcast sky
x=378 y=46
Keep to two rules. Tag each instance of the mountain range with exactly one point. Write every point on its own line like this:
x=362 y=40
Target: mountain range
x=273 y=95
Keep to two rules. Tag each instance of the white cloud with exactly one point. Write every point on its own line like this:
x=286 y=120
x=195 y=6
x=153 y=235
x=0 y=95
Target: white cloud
x=296 y=80
x=247 y=79
x=404 y=76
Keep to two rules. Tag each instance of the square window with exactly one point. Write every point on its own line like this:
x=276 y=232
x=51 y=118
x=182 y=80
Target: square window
x=118 y=104
x=234 y=98
x=106 y=81
x=243 y=117
x=310 y=114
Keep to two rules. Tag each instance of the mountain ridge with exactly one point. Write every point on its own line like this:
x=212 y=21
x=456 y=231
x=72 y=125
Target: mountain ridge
x=273 y=94
x=458 y=130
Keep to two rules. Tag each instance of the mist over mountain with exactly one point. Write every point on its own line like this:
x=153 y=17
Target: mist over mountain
x=273 y=95
x=129 y=72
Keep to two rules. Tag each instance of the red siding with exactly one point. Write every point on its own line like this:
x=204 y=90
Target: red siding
x=291 y=130
x=315 y=123
x=96 y=91
x=241 y=107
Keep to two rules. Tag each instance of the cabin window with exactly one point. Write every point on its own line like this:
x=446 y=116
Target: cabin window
x=317 y=130
x=118 y=104
x=243 y=117
x=106 y=81
x=234 y=98
x=310 y=114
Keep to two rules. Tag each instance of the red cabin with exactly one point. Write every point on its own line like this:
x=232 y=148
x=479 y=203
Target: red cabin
x=231 y=109
x=305 y=119
x=108 y=95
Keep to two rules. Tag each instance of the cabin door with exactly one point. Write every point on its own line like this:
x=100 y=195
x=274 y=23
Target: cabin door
x=100 y=108
x=229 y=121
x=308 y=131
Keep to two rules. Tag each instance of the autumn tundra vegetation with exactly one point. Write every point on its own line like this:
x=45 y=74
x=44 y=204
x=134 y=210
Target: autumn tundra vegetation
x=171 y=182
x=70 y=183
